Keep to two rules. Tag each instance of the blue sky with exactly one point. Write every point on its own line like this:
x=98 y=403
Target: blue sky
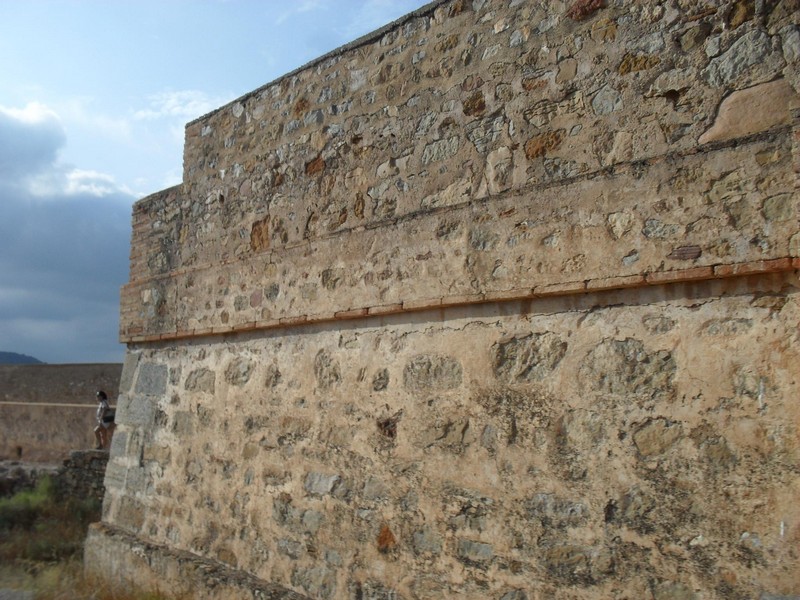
x=94 y=96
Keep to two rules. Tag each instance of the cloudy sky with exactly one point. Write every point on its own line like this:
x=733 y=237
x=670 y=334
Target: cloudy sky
x=94 y=96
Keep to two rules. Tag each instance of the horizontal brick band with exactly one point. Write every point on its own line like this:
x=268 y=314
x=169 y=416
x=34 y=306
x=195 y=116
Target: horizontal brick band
x=546 y=291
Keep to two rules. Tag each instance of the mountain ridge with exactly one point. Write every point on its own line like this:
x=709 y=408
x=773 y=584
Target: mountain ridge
x=15 y=358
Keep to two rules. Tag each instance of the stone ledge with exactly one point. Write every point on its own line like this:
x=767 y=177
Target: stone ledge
x=129 y=561
x=694 y=274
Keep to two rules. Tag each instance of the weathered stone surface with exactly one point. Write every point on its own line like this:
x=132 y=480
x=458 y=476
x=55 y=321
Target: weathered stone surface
x=623 y=368
x=427 y=541
x=128 y=561
x=606 y=101
x=432 y=372
x=320 y=483
x=440 y=150
x=752 y=110
x=201 y=380
x=139 y=411
x=326 y=370
x=656 y=436
x=746 y=57
x=782 y=207
x=673 y=590
x=151 y=379
x=612 y=438
x=475 y=551
x=528 y=358
x=239 y=371
x=319 y=581
x=553 y=511
x=541 y=144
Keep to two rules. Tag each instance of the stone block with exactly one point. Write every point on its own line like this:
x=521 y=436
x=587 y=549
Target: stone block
x=753 y=110
x=626 y=368
x=319 y=581
x=130 y=514
x=119 y=442
x=129 y=368
x=553 y=511
x=139 y=411
x=201 y=380
x=432 y=372
x=474 y=551
x=527 y=358
x=427 y=541
x=656 y=436
x=151 y=379
x=321 y=484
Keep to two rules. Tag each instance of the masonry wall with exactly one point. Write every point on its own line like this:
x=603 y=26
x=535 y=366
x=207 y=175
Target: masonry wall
x=500 y=301
x=46 y=411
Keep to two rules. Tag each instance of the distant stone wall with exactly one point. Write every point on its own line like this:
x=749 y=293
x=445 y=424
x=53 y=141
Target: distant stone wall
x=498 y=302
x=49 y=410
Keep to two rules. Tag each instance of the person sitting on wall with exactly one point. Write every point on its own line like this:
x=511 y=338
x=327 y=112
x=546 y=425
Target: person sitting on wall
x=105 y=421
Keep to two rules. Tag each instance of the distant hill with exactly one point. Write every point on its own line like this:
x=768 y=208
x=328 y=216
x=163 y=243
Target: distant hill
x=12 y=358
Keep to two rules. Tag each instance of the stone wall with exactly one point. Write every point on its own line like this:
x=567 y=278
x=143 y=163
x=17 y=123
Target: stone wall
x=82 y=474
x=49 y=410
x=499 y=301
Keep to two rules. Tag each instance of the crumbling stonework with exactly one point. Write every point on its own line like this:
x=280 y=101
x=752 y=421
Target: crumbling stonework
x=82 y=475
x=498 y=302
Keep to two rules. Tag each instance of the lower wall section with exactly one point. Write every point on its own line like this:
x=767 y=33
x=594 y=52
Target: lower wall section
x=131 y=562
x=631 y=444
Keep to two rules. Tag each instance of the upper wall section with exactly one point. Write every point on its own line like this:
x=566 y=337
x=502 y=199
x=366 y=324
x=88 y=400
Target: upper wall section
x=476 y=150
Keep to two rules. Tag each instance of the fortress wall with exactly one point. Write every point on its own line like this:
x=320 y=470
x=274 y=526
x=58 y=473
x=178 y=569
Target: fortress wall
x=498 y=302
x=40 y=420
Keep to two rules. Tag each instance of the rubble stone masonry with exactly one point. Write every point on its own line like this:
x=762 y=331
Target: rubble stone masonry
x=500 y=301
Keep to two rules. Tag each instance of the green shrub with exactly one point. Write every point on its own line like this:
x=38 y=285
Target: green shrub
x=38 y=525
x=23 y=508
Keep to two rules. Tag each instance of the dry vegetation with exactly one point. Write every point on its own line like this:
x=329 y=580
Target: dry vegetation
x=41 y=546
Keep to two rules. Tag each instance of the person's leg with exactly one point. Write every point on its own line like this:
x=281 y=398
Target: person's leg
x=98 y=435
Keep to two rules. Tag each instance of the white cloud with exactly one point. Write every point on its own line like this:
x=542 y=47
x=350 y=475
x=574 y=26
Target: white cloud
x=90 y=182
x=34 y=113
x=61 y=181
x=183 y=104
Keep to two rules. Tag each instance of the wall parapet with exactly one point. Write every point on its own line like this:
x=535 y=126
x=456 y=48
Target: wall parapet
x=453 y=154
